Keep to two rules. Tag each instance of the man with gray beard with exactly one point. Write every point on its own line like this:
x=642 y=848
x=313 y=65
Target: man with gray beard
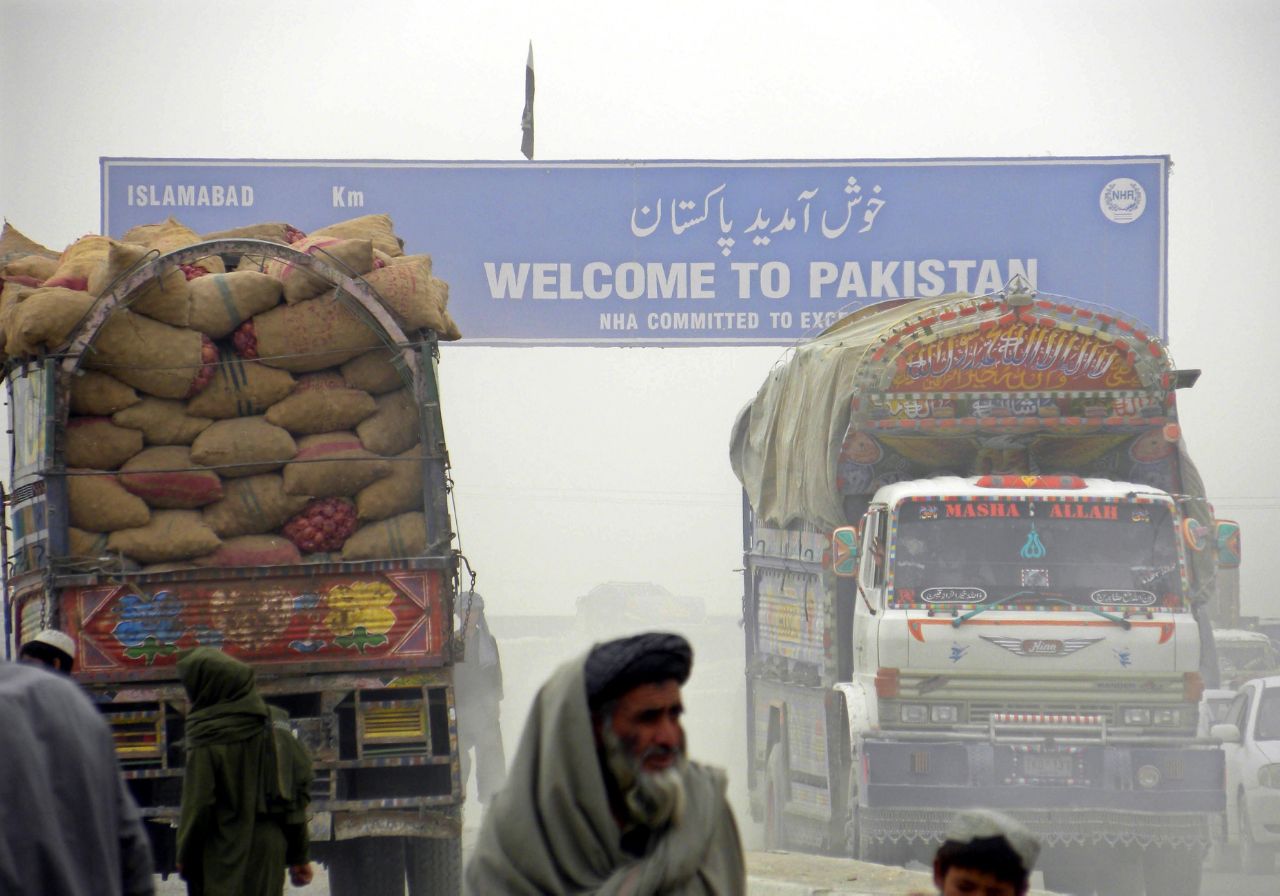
x=601 y=797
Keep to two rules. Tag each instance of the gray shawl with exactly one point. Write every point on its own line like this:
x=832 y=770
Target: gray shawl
x=550 y=830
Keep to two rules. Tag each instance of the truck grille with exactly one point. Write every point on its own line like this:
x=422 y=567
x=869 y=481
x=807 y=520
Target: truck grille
x=982 y=712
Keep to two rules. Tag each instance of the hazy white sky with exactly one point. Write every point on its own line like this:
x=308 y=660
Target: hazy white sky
x=575 y=466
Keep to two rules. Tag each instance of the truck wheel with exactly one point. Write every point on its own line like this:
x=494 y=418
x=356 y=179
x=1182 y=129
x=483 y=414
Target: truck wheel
x=1223 y=854
x=367 y=866
x=1119 y=873
x=775 y=829
x=1256 y=859
x=851 y=821
x=1172 y=871
x=434 y=866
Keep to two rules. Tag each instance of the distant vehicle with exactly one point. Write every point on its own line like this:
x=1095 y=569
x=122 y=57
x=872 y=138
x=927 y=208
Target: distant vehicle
x=620 y=607
x=1243 y=655
x=1251 y=742
x=1213 y=708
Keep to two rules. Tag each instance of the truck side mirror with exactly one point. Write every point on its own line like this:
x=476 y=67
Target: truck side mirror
x=1225 y=732
x=844 y=552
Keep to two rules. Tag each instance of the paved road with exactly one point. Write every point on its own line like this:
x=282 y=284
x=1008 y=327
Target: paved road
x=797 y=875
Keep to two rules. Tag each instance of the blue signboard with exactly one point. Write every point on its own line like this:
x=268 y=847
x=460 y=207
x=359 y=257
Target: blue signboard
x=701 y=253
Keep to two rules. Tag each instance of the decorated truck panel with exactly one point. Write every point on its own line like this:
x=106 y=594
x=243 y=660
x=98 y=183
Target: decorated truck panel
x=237 y=443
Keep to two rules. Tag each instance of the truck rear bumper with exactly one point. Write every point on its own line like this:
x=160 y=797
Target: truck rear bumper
x=1081 y=794
x=1055 y=827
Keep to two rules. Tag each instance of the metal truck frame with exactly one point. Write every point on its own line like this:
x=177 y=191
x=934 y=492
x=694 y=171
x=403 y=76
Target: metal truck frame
x=359 y=654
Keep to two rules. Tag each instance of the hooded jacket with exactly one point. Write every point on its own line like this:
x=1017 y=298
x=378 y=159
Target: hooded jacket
x=246 y=785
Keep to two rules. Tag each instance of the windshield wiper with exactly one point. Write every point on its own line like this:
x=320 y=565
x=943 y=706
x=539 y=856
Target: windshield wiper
x=1046 y=598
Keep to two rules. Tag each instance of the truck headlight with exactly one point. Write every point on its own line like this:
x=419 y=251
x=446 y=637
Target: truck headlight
x=1136 y=715
x=1167 y=717
x=1148 y=776
x=943 y=713
x=915 y=712
x=1269 y=776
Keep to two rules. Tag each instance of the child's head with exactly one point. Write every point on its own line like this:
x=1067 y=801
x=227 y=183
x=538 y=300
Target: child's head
x=987 y=854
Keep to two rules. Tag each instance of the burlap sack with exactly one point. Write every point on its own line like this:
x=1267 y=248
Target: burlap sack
x=310 y=335
x=99 y=444
x=332 y=465
x=394 y=427
x=95 y=394
x=222 y=302
x=401 y=536
x=79 y=261
x=322 y=525
x=408 y=289
x=321 y=402
x=240 y=388
x=243 y=446
x=253 y=551
x=155 y=358
x=166 y=298
x=400 y=492
x=166 y=477
x=450 y=333
x=88 y=551
x=44 y=319
x=378 y=229
x=171 y=535
x=376 y=372
x=349 y=257
x=99 y=503
x=252 y=505
x=272 y=231
x=14 y=244
x=37 y=268
x=169 y=236
x=162 y=421
x=85 y=545
x=13 y=292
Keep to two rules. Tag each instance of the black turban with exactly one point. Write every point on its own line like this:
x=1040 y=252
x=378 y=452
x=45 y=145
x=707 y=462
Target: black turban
x=616 y=667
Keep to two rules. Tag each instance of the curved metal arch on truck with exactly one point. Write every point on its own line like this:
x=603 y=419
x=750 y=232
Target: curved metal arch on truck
x=353 y=286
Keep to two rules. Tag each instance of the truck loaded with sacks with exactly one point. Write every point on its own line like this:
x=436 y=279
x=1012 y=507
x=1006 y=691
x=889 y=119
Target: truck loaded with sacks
x=235 y=440
x=978 y=565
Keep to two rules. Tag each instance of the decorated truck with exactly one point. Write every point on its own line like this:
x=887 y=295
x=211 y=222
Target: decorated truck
x=978 y=562
x=237 y=442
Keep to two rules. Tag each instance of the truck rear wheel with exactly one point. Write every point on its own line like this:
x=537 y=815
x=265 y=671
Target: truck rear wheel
x=434 y=866
x=367 y=866
x=1172 y=871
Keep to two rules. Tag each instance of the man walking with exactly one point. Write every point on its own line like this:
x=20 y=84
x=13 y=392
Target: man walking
x=477 y=691
x=68 y=826
x=601 y=797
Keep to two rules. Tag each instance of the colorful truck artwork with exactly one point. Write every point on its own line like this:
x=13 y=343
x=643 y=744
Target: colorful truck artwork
x=237 y=442
x=318 y=621
x=979 y=569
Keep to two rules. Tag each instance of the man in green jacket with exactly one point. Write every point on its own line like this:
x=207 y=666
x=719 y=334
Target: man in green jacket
x=245 y=788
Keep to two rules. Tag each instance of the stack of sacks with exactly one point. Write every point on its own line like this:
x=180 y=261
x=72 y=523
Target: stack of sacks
x=234 y=417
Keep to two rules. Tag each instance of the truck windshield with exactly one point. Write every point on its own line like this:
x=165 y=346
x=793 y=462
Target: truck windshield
x=1019 y=551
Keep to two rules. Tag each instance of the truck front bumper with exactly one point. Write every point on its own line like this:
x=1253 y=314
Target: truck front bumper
x=1081 y=794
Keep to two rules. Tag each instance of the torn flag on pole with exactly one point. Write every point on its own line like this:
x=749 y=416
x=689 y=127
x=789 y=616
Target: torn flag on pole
x=526 y=120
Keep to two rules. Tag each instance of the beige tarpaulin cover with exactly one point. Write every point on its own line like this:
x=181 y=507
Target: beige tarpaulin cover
x=786 y=442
